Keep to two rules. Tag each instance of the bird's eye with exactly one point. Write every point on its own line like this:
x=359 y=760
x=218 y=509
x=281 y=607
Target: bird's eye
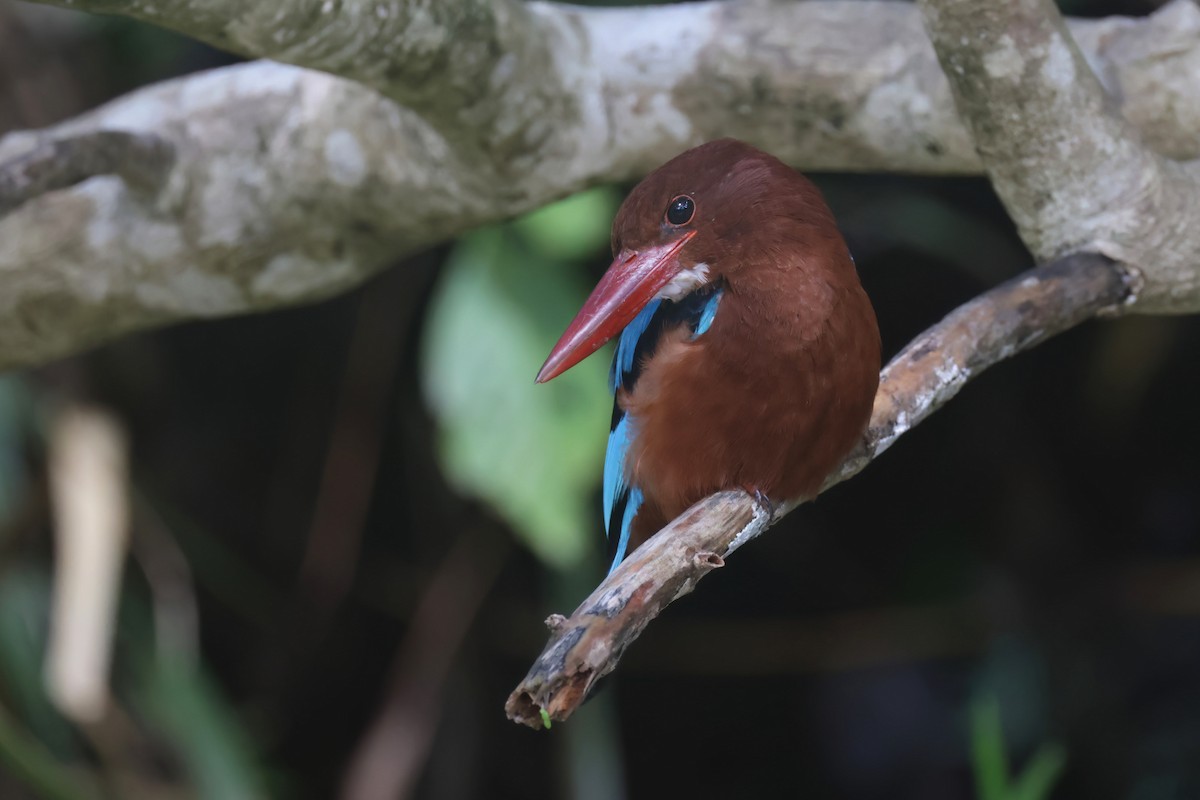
x=681 y=210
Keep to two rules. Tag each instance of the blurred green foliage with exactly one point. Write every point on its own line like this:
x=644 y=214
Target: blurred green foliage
x=994 y=779
x=24 y=621
x=181 y=701
x=533 y=452
x=30 y=762
x=172 y=698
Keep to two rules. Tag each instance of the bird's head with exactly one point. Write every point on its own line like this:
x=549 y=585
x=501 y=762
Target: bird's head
x=712 y=213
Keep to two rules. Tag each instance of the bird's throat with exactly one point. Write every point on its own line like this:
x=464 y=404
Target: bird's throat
x=685 y=282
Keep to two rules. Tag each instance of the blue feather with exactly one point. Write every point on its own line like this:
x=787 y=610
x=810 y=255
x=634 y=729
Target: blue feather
x=632 y=503
x=637 y=343
x=614 y=470
x=708 y=314
x=628 y=345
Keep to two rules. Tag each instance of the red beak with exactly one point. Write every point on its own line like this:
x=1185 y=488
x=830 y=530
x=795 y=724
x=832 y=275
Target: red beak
x=629 y=284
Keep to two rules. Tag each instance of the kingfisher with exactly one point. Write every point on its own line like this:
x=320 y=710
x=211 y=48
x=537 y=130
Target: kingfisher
x=747 y=352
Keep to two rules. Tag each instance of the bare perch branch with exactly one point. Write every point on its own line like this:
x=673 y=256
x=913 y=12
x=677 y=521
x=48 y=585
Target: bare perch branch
x=1073 y=174
x=143 y=160
x=998 y=324
x=1009 y=319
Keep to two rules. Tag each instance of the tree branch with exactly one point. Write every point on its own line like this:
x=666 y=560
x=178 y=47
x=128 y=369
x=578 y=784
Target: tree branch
x=290 y=185
x=440 y=57
x=825 y=83
x=1009 y=319
x=1072 y=172
x=142 y=160
x=1076 y=178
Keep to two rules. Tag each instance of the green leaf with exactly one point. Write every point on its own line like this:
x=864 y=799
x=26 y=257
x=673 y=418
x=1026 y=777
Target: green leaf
x=989 y=759
x=29 y=762
x=1037 y=782
x=533 y=452
x=181 y=700
x=24 y=620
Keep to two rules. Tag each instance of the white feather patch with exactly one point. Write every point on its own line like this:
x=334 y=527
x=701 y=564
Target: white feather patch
x=685 y=283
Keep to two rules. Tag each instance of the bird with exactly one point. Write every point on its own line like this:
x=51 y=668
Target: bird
x=747 y=352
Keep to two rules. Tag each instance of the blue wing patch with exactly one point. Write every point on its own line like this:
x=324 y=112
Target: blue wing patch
x=615 y=487
x=638 y=342
x=630 y=347
x=707 y=314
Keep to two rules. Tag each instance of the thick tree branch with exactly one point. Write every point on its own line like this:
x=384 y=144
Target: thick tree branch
x=850 y=85
x=1071 y=171
x=1007 y=320
x=290 y=185
x=440 y=57
x=142 y=160
x=287 y=186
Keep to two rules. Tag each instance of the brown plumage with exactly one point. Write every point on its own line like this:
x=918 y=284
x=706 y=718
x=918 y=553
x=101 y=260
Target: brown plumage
x=773 y=394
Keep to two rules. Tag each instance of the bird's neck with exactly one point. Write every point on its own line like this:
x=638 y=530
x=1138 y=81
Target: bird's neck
x=786 y=305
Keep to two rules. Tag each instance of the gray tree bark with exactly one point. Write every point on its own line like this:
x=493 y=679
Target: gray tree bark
x=1073 y=174
x=289 y=184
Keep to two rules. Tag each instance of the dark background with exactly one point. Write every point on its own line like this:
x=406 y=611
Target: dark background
x=1034 y=547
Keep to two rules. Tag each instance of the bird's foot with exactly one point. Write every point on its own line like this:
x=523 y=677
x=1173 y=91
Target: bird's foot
x=763 y=502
